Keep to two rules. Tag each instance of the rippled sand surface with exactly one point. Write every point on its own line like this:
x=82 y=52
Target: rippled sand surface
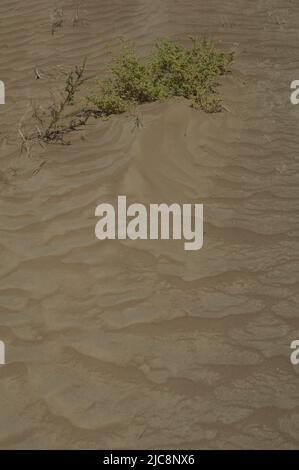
x=123 y=344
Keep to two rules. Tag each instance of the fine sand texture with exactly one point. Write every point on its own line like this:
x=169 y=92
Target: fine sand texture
x=140 y=344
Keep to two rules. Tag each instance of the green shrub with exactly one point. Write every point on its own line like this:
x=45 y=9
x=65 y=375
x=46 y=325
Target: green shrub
x=171 y=70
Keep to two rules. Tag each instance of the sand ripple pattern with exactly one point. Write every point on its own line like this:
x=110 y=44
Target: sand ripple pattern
x=141 y=344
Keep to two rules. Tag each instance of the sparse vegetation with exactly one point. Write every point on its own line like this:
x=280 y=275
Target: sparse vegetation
x=171 y=70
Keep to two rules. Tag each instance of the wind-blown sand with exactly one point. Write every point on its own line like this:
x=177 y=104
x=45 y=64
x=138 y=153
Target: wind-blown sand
x=125 y=344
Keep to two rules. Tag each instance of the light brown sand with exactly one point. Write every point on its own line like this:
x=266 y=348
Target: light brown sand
x=141 y=344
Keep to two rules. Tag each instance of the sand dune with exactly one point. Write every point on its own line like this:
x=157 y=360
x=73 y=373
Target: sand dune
x=121 y=344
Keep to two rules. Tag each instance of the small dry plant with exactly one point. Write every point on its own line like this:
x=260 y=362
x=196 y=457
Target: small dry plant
x=56 y=20
x=78 y=18
x=53 y=123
